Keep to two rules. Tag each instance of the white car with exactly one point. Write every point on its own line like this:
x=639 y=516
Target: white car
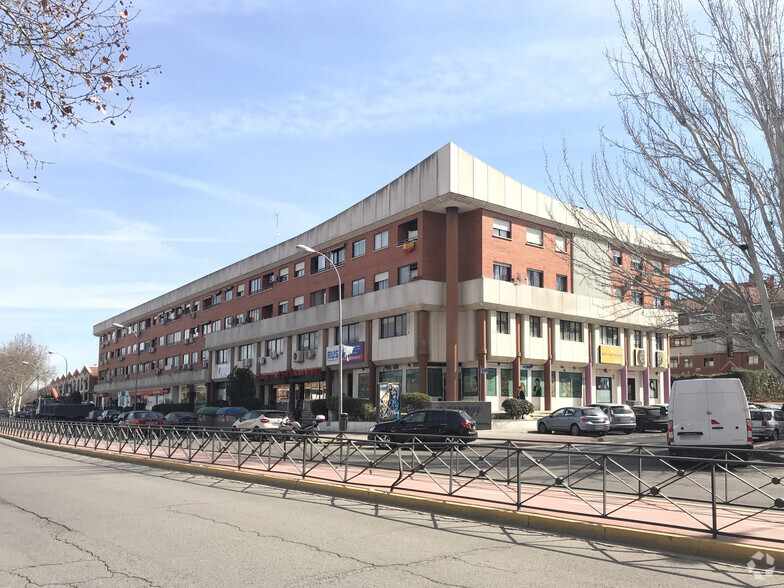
x=260 y=420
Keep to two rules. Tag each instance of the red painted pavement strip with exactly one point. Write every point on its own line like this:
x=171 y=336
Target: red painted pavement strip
x=762 y=529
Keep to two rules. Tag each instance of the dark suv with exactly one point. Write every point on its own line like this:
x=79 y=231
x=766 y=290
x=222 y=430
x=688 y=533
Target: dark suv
x=431 y=424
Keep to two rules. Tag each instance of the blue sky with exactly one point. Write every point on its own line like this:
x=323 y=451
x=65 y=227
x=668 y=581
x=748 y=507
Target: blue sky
x=274 y=116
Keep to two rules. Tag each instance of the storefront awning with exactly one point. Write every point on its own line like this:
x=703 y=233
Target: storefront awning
x=293 y=376
x=153 y=392
x=102 y=395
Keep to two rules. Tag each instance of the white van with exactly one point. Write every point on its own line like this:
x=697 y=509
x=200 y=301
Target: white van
x=710 y=412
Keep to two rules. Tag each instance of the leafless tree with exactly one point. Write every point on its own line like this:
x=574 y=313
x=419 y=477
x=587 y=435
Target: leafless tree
x=24 y=367
x=63 y=64
x=701 y=98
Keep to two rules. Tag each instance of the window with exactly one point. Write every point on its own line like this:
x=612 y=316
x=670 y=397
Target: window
x=503 y=322
x=317 y=264
x=560 y=243
x=658 y=267
x=636 y=262
x=381 y=240
x=299 y=303
x=239 y=319
x=381 y=281
x=318 y=298
x=406 y=273
x=609 y=336
x=246 y=351
x=240 y=290
x=535 y=326
x=571 y=331
x=229 y=294
x=253 y=315
x=617 y=293
x=350 y=333
x=255 y=286
x=358 y=248
x=299 y=269
x=307 y=341
x=283 y=307
x=338 y=256
x=617 y=257
x=561 y=283
x=681 y=341
x=637 y=336
x=674 y=362
x=274 y=347
x=637 y=297
x=222 y=356
x=533 y=236
x=658 y=302
x=502 y=271
x=502 y=228
x=707 y=362
x=659 y=341
x=683 y=320
x=228 y=322
x=358 y=287
x=535 y=278
x=687 y=362
x=753 y=359
x=283 y=275
x=393 y=326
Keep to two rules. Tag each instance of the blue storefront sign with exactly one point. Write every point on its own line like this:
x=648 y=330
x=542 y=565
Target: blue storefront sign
x=352 y=353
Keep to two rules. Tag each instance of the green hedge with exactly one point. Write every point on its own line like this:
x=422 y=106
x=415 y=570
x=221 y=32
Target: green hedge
x=760 y=385
x=319 y=406
x=517 y=408
x=165 y=409
x=411 y=401
x=357 y=409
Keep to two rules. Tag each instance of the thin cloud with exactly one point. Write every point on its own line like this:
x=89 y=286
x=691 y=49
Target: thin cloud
x=29 y=191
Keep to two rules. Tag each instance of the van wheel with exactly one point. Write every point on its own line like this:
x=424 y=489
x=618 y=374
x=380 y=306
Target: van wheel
x=775 y=435
x=575 y=430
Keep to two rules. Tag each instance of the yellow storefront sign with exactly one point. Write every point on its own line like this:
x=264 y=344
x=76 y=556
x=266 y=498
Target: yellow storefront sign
x=610 y=354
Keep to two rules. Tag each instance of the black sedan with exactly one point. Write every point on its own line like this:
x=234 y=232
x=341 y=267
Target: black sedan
x=180 y=419
x=651 y=417
x=444 y=425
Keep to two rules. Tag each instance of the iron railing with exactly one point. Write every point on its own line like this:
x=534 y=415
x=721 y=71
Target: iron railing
x=722 y=496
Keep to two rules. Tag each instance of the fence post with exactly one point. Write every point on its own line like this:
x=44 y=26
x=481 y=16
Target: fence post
x=714 y=523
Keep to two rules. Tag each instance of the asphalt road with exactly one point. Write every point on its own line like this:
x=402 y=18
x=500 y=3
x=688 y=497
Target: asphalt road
x=69 y=520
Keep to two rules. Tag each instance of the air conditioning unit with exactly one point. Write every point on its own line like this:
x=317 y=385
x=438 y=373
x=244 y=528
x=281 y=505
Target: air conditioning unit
x=183 y=367
x=639 y=357
x=205 y=364
x=299 y=356
x=272 y=279
x=262 y=360
x=310 y=353
x=193 y=315
x=187 y=341
x=189 y=366
x=248 y=362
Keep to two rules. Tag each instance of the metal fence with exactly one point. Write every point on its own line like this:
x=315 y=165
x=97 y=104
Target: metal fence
x=723 y=496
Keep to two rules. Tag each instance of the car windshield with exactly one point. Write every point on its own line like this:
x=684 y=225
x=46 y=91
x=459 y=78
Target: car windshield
x=756 y=415
x=622 y=409
x=592 y=412
x=275 y=414
x=146 y=415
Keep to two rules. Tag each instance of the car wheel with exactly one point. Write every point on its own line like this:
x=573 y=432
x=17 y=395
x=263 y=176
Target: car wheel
x=575 y=430
x=640 y=428
x=383 y=438
x=542 y=428
x=455 y=440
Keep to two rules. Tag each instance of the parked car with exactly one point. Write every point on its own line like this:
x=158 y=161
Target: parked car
x=93 y=415
x=180 y=419
x=22 y=414
x=763 y=424
x=621 y=416
x=108 y=416
x=4 y=413
x=432 y=424
x=650 y=417
x=260 y=420
x=575 y=420
x=778 y=432
x=226 y=415
x=143 y=418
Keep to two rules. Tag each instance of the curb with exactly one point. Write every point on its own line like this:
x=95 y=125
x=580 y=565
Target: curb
x=713 y=549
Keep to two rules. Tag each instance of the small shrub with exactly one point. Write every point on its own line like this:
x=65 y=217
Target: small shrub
x=357 y=409
x=319 y=406
x=517 y=408
x=411 y=401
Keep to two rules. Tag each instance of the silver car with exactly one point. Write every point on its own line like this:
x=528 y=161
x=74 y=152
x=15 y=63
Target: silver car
x=575 y=420
x=767 y=423
x=622 y=417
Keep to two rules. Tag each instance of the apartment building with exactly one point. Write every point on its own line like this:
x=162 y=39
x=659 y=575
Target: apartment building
x=82 y=381
x=453 y=280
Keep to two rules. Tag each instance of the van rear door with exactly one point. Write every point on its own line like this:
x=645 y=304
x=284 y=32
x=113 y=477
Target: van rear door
x=689 y=412
x=728 y=413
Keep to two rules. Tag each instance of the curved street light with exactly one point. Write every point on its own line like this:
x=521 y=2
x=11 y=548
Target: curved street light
x=340 y=332
x=65 y=384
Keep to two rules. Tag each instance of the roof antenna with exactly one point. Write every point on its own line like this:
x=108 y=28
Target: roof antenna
x=277 y=224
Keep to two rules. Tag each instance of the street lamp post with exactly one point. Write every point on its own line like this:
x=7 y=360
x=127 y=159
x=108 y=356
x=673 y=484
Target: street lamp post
x=136 y=373
x=65 y=385
x=341 y=423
